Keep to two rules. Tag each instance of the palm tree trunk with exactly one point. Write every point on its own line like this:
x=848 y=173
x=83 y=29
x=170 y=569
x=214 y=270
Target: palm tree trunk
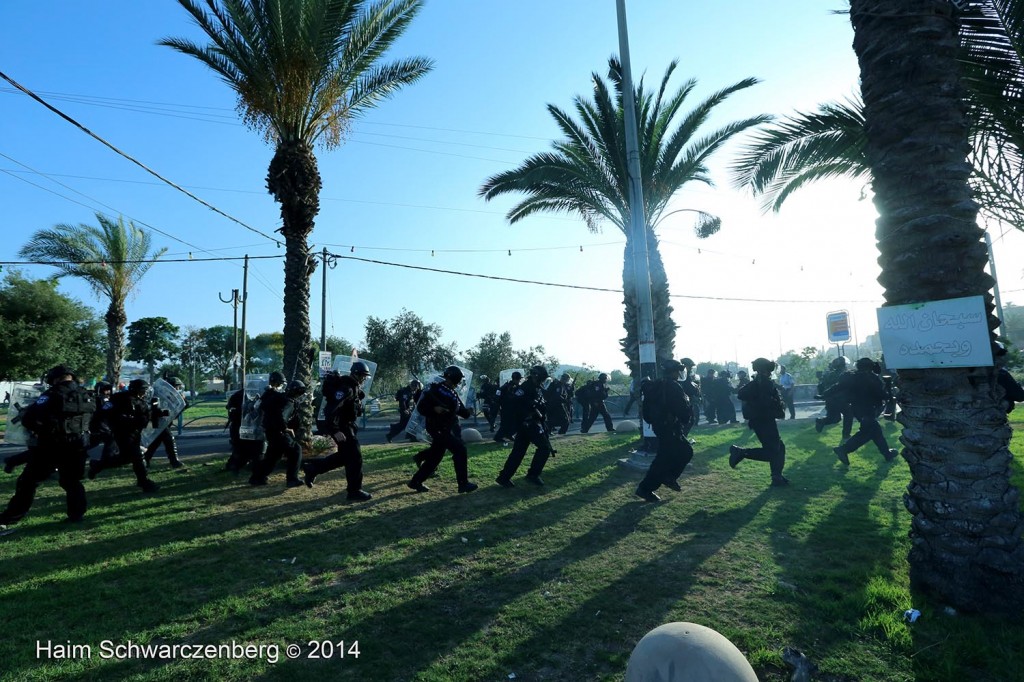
x=966 y=526
x=664 y=327
x=294 y=181
x=116 y=319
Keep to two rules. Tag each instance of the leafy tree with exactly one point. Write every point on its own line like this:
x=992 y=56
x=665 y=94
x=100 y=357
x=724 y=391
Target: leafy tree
x=966 y=521
x=830 y=142
x=41 y=327
x=803 y=365
x=266 y=352
x=218 y=348
x=532 y=356
x=339 y=346
x=196 y=357
x=405 y=345
x=302 y=70
x=111 y=259
x=586 y=173
x=494 y=353
x=150 y=340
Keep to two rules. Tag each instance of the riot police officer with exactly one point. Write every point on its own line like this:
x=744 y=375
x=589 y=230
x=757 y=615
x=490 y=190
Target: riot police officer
x=280 y=421
x=506 y=427
x=762 y=405
x=60 y=421
x=865 y=394
x=488 y=397
x=691 y=387
x=526 y=409
x=343 y=406
x=837 y=405
x=558 y=397
x=166 y=435
x=100 y=430
x=668 y=419
x=405 y=398
x=130 y=412
x=594 y=396
x=441 y=408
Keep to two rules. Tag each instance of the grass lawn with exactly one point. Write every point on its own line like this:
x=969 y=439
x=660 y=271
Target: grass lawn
x=556 y=583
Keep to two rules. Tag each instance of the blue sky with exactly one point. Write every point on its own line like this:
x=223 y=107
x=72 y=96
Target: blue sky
x=405 y=182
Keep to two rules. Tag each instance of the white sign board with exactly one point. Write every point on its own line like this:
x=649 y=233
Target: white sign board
x=838 y=323
x=325 y=362
x=949 y=333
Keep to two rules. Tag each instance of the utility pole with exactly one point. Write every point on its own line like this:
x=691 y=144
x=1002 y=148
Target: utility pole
x=245 y=302
x=234 y=300
x=329 y=262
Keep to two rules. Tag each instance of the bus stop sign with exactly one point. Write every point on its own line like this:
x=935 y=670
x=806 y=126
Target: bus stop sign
x=838 y=323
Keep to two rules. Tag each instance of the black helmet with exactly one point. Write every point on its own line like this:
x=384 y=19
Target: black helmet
x=838 y=363
x=176 y=382
x=104 y=387
x=415 y=383
x=671 y=365
x=359 y=369
x=57 y=373
x=539 y=372
x=276 y=379
x=763 y=364
x=138 y=386
x=602 y=377
x=865 y=364
x=453 y=374
x=687 y=362
x=295 y=388
x=516 y=376
x=565 y=375
x=725 y=374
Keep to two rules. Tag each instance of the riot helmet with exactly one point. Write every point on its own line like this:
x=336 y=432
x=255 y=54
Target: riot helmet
x=276 y=379
x=602 y=377
x=176 y=382
x=671 y=366
x=103 y=387
x=838 y=363
x=359 y=369
x=538 y=373
x=484 y=379
x=517 y=376
x=56 y=374
x=763 y=365
x=453 y=374
x=687 y=362
x=415 y=384
x=865 y=365
x=138 y=387
x=725 y=374
x=295 y=388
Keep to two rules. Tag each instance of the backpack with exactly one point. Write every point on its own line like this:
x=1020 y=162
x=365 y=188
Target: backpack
x=654 y=405
x=79 y=405
x=331 y=385
x=586 y=394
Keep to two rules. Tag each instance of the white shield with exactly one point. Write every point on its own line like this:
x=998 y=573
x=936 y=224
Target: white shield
x=252 y=420
x=417 y=426
x=169 y=400
x=343 y=365
x=22 y=395
x=506 y=375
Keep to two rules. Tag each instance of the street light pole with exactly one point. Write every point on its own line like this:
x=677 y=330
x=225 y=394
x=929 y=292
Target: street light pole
x=234 y=300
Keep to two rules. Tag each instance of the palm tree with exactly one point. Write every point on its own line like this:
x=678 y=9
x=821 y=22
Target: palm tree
x=966 y=518
x=302 y=70
x=586 y=174
x=804 y=147
x=111 y=259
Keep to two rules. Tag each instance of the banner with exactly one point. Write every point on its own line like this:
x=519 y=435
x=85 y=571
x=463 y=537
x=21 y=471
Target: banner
x=949 y=333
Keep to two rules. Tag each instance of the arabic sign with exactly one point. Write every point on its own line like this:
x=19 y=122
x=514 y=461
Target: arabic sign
x=838 y=323
x=949 y=333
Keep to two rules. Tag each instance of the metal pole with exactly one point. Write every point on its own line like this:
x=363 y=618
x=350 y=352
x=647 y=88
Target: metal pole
x=637 y=222
x=234 y=304
x=245 y=303
x=995 y=286
x=323 y=305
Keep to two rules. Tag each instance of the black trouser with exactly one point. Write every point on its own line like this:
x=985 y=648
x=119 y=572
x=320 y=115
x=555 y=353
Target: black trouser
x=279 y=445
x=129 y=449
x=709 y=410
x=396 y=429
x=109 y=451
x=244 y=451
x=674 y=453
x=772 y=449
x=836 y=412
x=558 y=417
x=68 y=459
x=870 y=430
x=348 y=455
x=787 y=398
x=491 y=413
x=18 y=459
x=431 y=457
x=725 y=409
x=590 y=416
x=507 y=427
x=528 y=433
x=165 y=438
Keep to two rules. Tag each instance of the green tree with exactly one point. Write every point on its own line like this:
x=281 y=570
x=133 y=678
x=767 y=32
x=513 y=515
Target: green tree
x=339 y=346
x=266 y=352
x=966 y=521
x=39 y=327
x=218 y=350
x=302 y=70
x=196 y=357
x=830 y=142
x=404 y=346
x=494 y=353
x=111 y=259
x=150 y=340
x=586 y=174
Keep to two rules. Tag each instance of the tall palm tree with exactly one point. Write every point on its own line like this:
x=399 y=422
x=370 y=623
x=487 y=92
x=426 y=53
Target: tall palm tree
x=302 y=70
x=805 y=147
x=966 y=519
x=111 y=259
x=587 y=174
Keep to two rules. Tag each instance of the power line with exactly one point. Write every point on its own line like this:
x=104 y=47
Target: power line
x=135 y=261
x=132 y=159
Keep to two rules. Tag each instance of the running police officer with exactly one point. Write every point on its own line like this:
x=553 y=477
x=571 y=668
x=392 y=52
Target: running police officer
x=405 y=398
x=762 y=405
x=526 y=408
x=666 y=408
x=280 y=422
x=441 y=408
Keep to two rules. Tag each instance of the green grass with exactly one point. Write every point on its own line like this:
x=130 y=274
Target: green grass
x=556 y=583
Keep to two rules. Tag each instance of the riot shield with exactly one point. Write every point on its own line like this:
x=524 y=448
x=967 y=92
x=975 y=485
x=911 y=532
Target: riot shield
x=506 y=375
x=170 y=401
x=343 y=365
x=417 y=426
x=22 y=395
x=252 y=418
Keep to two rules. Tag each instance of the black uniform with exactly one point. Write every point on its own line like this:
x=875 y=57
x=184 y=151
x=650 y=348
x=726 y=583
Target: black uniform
x=762 y=405
x=406 y=398
x=674 y=451
x=280 y=420
x=164 y=438
x=343 y=408
x=508 y=425
x=720 y=392
x=837 y=404
x=128 y=416
x=558 y=398
x=488 y=398
x=692 y=390
x=527 y=409
x=60 y=423
x=445 y=435
x=865 y=394
x=592 y=399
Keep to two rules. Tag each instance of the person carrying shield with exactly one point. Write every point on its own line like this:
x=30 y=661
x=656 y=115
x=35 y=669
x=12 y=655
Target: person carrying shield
x=441 y=408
